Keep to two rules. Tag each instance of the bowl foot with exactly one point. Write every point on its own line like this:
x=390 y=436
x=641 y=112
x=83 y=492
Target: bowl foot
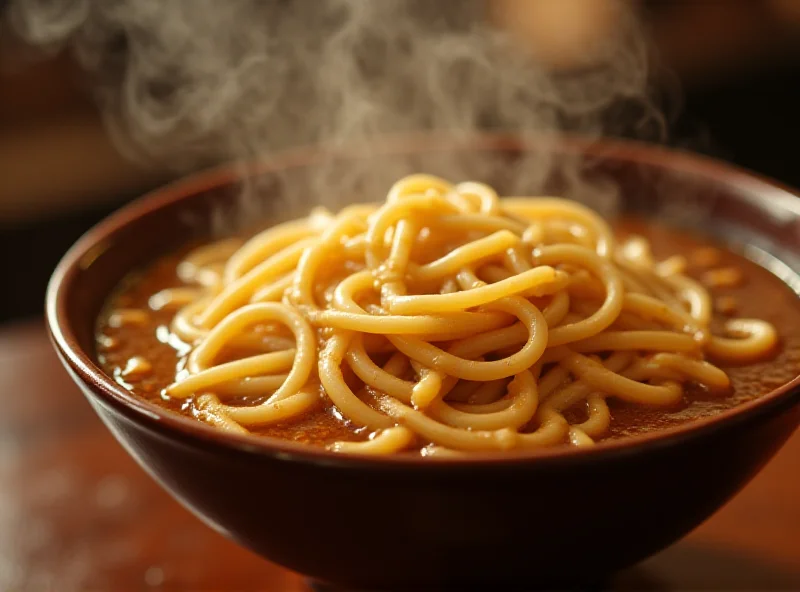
x=600 y=585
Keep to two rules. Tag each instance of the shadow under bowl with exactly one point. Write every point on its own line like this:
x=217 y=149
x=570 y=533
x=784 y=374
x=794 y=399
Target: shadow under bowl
x=555 y=517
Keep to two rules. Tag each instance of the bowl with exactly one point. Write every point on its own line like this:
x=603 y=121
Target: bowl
x=551 y=518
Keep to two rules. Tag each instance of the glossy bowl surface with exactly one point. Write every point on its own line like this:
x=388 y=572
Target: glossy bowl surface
x=537 y=519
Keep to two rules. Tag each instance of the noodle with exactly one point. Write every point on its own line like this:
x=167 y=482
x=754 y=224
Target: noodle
x=445 y=320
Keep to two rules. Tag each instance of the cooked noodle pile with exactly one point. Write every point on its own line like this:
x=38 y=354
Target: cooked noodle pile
x=445 y=319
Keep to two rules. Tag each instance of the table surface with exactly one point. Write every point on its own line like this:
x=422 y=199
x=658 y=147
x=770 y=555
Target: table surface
x=77 y=513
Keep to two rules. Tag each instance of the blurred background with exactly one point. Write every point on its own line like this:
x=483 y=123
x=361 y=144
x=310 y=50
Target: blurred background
x=730 y=70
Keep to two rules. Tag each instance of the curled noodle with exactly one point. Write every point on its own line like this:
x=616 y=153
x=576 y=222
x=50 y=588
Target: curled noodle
x=446 y=320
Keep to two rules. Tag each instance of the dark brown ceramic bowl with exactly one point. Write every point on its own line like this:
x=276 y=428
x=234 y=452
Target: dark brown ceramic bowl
x=547 y=518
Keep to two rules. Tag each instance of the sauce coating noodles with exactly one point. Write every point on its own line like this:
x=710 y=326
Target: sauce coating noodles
x=445 y=319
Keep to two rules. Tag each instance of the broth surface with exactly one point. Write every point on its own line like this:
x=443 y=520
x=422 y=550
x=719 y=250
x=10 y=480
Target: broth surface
x=759 y=294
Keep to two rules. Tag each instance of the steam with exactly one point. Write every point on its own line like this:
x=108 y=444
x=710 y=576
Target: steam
x=193 y=82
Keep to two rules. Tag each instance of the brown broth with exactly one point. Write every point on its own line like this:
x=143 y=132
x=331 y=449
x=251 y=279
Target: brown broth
x=759 y=295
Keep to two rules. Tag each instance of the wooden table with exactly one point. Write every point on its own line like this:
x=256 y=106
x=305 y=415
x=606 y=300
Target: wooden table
x=76 y=512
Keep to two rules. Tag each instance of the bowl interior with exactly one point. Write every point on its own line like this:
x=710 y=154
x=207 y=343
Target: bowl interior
x=617 y=178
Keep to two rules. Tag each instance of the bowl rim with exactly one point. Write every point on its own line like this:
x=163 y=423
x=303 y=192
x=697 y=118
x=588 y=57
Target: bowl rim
x=169 y=424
